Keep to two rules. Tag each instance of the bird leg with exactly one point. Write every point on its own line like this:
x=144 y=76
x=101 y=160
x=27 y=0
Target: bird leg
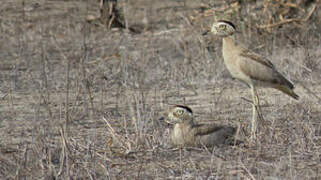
x=258 y=106
x=255 y=112
x=256 y=115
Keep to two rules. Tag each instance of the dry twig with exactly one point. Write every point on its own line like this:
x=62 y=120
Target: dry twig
x=286 y=21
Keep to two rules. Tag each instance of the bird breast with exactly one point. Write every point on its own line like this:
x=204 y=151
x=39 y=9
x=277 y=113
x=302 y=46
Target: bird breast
x=231 y=59
x=182 y=134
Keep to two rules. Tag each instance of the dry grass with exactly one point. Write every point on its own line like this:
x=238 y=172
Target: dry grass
x=80 y=102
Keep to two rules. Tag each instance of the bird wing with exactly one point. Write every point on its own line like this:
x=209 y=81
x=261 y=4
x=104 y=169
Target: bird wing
x=211 y=134
x=205 y=129
x=260 y=68
x=255 y=57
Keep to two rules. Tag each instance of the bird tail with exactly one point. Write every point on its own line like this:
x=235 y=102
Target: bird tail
x=288 y=91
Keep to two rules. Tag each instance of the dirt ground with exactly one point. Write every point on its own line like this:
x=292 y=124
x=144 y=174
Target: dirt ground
x=78 y=101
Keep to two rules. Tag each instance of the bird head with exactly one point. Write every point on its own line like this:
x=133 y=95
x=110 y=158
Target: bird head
x=180 y=114
x=223 y=28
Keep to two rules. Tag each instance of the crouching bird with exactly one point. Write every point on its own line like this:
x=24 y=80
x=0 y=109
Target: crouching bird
x=186 y=133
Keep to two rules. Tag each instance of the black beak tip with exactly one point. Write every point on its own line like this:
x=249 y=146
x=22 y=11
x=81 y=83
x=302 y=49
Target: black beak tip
x=205 y=33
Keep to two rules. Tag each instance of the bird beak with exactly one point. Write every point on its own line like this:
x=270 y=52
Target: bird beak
x=168 y=121
x=205 y=33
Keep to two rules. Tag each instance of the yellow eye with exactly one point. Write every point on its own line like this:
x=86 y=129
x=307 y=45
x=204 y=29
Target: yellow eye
x=180 y=112
x=223 y=26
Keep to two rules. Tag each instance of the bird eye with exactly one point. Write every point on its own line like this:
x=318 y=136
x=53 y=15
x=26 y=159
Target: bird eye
x=223 y=26
x=180 y=112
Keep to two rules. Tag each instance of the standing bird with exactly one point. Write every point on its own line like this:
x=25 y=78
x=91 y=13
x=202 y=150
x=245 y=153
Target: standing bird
x=186 y=133
x=249 y=67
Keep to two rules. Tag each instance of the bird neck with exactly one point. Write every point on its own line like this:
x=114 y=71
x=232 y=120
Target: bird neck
x=188 y=122
x=229 y=43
